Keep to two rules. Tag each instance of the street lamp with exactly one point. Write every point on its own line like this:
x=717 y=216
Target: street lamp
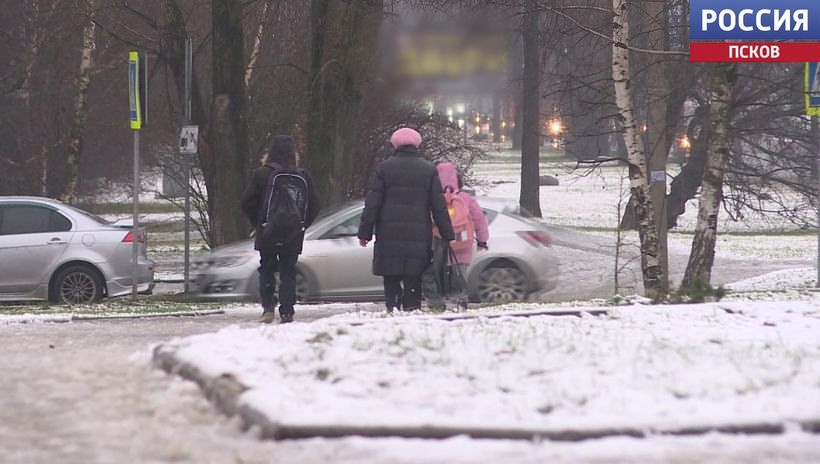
x=555 y=127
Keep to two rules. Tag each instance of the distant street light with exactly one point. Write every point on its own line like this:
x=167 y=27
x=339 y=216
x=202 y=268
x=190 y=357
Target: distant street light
x=555 y=127
x=684 y=142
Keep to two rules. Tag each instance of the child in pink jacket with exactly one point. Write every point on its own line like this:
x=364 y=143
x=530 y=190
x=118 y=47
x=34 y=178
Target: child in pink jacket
x=451 y=181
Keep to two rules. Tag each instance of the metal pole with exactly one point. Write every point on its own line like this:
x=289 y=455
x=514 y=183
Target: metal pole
x=136 y=219
x=187 y=165
x=815 y=132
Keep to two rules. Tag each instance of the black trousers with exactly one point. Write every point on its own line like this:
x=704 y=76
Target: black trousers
x=402 y=292
x=283 y=262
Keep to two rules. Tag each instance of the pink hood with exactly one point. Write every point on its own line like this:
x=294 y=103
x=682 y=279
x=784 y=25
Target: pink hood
x=448 y=175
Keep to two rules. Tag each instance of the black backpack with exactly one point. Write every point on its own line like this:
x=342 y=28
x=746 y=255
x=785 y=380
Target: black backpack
x=287 y=206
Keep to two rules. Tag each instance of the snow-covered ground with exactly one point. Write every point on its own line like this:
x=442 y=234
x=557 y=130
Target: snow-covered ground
x=638 y=366
x=595 y=195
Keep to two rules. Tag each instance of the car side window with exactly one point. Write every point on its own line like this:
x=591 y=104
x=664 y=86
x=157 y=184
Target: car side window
x=490 y=215
x=347 y=228
x=31 y=220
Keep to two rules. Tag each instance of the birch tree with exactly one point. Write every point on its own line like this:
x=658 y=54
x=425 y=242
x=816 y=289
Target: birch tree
x=651 y=267
x=699 y=269
x=74 y=149
x=657 y=129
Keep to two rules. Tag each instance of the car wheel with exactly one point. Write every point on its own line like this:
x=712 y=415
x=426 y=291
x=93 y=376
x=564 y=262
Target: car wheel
x=77 y=285
x=501 y=284
x=302 y=288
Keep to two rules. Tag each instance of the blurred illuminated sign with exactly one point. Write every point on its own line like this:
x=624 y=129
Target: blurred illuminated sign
x=452 y=55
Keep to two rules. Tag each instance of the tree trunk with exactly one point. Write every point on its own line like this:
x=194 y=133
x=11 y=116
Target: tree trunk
x=531 y=130
x=225 y=159
x=75 y=140
x=642 y=202
x=344 y=40
x=496 y=126
x=699 y=269
x=685 y=185
x=257 y=41
x=516 y=63
x=657 y=129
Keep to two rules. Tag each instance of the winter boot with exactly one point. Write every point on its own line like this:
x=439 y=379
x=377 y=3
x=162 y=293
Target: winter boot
x=285 y=316
x=267 y=317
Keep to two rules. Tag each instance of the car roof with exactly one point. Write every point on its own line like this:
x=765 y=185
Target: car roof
x=51 y=201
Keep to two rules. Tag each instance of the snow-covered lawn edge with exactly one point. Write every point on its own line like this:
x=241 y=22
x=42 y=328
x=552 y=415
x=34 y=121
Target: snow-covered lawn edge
x=6 y=319
x=28 y=318
x=225 y=391
x=738 y=368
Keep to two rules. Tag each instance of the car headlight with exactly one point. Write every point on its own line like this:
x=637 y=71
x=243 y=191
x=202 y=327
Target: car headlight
x=231 y=261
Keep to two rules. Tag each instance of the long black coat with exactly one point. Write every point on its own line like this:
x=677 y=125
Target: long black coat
x=254 y=205
x=402 y=196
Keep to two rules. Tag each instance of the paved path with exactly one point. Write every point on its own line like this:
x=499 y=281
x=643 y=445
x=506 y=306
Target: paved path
x=77 y=393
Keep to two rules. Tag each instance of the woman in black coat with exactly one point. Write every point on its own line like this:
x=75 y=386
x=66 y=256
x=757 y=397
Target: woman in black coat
x=403 y=195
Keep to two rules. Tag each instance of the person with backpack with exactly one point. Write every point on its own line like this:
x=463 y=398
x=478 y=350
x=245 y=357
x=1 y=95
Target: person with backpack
x=470 y=228
x=280 y=203
x=403 y=195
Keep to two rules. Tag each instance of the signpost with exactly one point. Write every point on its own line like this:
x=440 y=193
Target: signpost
x=188 y=140
x=137 y=99
x=813 y=110
x=188 y=145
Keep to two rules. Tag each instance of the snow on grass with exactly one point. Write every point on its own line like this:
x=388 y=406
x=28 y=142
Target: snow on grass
x=786 y=279
x=148 y=218
x=640 y=366
x=30 y=318
x=588 y=198
x=113 y=309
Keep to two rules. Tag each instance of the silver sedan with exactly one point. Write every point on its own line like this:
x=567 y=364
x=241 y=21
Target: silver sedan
x=53 y=251
x=334 y=267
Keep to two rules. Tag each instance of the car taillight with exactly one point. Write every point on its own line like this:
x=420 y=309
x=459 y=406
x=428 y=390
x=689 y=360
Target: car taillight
x=536 y=238
x=129 y=237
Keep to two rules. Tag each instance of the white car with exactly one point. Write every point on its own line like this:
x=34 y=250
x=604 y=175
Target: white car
x=53 y=251
x=333 y=266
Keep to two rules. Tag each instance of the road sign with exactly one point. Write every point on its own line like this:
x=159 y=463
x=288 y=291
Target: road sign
x=188 y=140
x=134 y=100
x=813 y=89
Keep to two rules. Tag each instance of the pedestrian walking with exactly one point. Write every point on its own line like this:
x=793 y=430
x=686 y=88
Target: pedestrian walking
x=471 y=232
x=403 y=196
x=280 y=202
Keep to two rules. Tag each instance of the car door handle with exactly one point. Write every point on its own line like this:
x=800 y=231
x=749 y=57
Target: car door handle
x=57 y=241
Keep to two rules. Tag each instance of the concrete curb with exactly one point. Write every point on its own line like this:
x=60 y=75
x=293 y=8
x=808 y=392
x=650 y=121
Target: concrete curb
x=224 y=392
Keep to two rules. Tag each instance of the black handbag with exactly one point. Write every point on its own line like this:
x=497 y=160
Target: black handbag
x=455 y=280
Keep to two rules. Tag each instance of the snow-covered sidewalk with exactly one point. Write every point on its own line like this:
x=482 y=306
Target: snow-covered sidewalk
x=658 y=368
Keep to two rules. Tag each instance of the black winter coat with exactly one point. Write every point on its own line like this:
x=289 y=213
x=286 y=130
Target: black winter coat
x=402 y=196
x=254 y=205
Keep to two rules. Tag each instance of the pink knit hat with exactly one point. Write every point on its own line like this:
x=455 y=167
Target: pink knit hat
x=405 y=136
